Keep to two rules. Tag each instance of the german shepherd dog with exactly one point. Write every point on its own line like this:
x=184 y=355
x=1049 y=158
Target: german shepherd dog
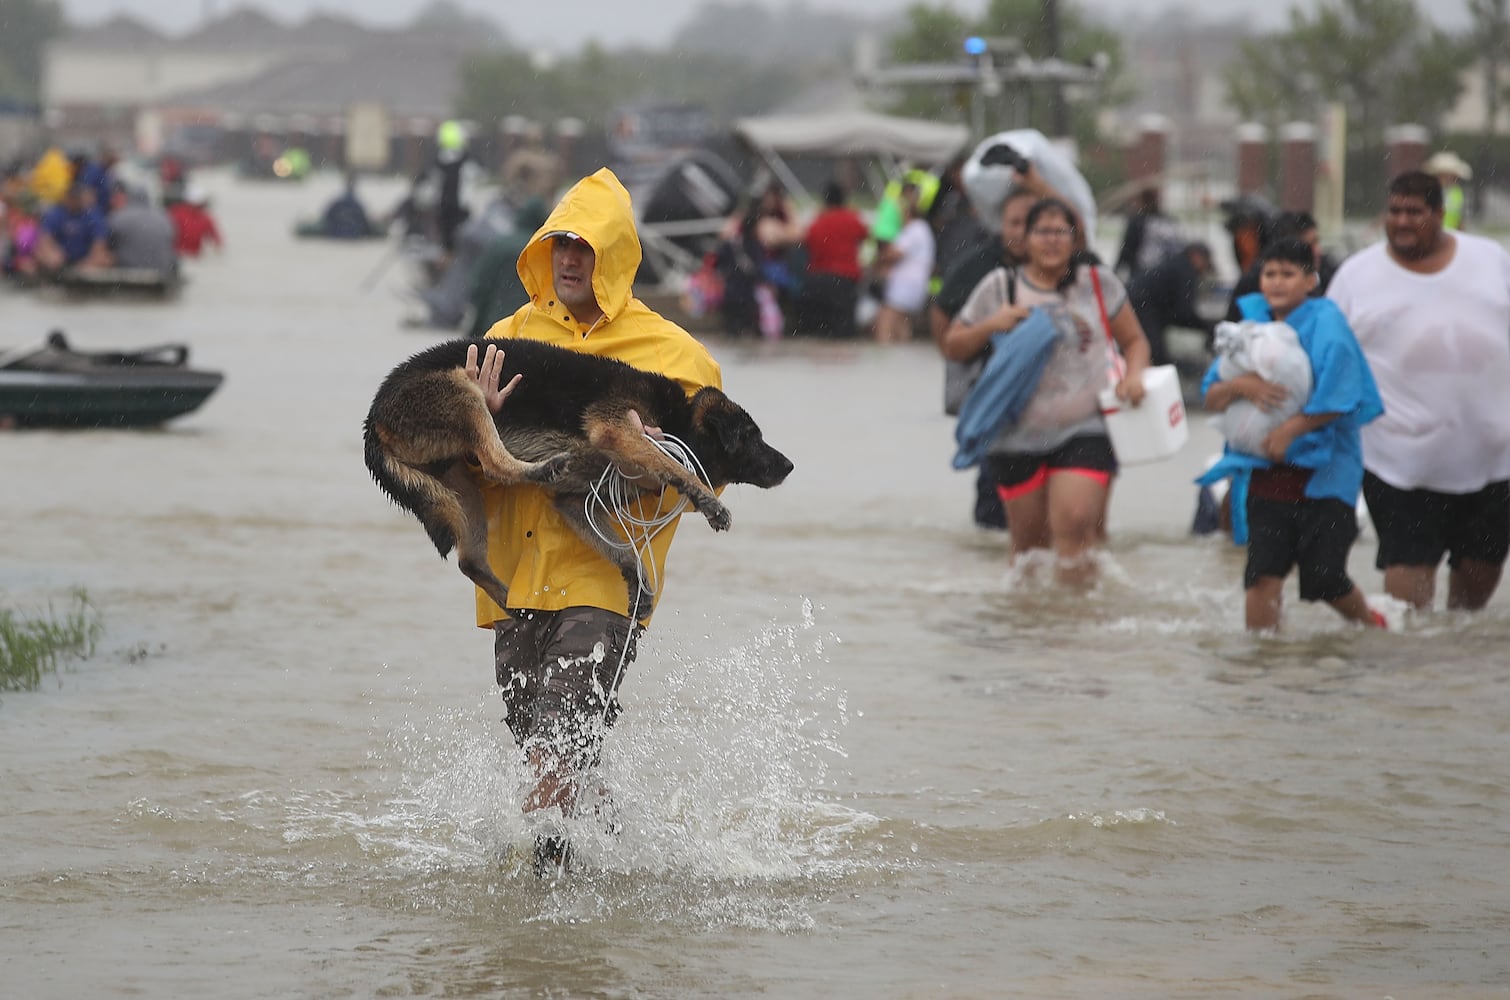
x=566 y=421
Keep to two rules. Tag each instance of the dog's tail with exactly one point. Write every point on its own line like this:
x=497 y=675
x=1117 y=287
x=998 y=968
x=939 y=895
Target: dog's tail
x=416 y=490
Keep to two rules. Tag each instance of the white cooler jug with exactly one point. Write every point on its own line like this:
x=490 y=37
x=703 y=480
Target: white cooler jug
x=1153 y=430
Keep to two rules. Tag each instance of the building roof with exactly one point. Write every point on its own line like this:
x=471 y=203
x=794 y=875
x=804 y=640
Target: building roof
x=242 y=28
x=328 y=84
x=321 y=65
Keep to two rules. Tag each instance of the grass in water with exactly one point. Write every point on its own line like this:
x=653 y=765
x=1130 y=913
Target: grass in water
x=31 y=647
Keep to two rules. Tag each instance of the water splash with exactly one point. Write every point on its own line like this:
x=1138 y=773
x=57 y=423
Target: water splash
x=715 y=774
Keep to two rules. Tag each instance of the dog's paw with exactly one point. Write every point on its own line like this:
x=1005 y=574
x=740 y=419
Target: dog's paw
x=551 y=469
x=719 y=518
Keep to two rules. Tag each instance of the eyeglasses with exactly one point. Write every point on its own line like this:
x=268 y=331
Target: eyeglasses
x=1052 y=233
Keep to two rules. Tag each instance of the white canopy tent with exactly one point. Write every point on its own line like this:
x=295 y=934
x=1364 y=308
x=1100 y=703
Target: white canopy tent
x=849 y=133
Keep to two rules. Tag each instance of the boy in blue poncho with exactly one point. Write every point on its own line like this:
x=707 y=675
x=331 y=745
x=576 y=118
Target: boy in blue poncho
x=1303 y=491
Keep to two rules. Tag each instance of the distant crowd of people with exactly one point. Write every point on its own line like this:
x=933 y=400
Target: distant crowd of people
x=772 y=276
x=61 y=213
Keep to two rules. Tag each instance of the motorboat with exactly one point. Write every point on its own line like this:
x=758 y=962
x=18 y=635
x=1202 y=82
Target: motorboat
x=109 y=281
x=55 y=385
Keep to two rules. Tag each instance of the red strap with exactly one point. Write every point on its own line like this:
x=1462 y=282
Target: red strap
x=1106 y=323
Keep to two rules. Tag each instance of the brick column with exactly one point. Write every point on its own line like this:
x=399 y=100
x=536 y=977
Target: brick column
x=1406 y=148
x=568 y=132
x=510 y=135
x=1297 y=167
x=1252 y=158
x=1146 y=155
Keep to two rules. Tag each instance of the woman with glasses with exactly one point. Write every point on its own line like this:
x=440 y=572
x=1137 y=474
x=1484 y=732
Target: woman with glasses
x=1054 y=465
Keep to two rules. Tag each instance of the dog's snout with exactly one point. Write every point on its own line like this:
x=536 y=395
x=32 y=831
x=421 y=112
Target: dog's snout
x=777 y=468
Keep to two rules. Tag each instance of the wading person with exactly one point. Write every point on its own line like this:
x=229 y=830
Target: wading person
x=906 y=262
x=1301 y=497
x=562 y=645
x=1054 y=465
x=1009 y=249
x=1431 y=309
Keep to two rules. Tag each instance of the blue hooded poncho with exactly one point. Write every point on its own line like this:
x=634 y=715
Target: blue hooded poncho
x=1342 y=384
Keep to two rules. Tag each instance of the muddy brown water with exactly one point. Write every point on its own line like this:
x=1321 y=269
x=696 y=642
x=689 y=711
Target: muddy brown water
x=859 y=758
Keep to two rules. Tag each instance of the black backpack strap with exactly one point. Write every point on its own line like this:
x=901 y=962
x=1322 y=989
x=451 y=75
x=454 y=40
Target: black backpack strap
x=1011 y=286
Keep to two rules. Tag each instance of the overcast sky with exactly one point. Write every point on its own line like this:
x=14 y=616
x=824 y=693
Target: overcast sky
x=617 y=22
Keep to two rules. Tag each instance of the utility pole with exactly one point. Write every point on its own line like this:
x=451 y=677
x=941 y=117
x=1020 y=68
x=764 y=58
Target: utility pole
x=1059 y=119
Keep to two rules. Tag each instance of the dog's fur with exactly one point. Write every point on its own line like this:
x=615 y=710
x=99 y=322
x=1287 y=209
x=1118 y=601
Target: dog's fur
x=566 y=421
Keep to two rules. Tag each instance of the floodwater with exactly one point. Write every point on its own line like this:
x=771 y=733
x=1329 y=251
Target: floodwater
x=858 y=758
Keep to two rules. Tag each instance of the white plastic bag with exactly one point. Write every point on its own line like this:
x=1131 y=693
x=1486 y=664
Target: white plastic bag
x=1273 y=352
x=987 y=185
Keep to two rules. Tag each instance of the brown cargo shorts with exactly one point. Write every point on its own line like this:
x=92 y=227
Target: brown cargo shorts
x=560 y=671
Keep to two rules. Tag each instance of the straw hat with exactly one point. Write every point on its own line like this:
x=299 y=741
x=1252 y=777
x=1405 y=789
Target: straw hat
x=1449 y=163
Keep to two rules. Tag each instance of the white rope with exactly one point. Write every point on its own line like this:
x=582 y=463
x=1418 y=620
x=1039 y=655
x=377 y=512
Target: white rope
x=614 y=498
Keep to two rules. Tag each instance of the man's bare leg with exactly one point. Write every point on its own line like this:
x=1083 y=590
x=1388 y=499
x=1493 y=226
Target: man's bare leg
x=1415 y=585
x=1471 y=583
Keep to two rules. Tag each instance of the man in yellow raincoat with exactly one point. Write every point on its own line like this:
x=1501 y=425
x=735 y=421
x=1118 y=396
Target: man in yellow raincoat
x=562 y=645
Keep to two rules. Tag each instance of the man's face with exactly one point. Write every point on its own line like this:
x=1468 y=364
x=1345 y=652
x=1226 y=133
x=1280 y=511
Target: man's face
x=571 y=268
x=1014 y=227
x=1411 y=228
x=1285 y=285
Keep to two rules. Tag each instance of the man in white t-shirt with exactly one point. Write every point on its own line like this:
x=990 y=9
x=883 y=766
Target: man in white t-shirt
x=1431 y=309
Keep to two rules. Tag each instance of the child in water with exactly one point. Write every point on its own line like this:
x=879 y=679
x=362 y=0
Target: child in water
x=1303 y=491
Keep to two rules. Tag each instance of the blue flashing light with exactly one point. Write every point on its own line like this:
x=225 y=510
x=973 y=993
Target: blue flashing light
x=975 y=46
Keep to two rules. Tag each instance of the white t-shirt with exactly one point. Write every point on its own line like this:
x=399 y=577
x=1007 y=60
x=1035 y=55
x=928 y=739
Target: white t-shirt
x=1066 y=402
x=907 y=281
x=1439 y=348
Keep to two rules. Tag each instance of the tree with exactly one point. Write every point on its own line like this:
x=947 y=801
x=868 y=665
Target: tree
x=26 y=26
x=931 y=34
x=760 y=34
x=449 y=18
x=596 y=81
x=1489 y=41
x=1380 y=58
x=937 y=34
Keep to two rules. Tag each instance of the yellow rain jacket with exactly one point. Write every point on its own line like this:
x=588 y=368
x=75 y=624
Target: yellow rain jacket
x=51 y=176
x=542 y=561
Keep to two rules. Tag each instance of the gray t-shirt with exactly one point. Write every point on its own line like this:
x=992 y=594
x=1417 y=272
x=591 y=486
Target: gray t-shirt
x=1065 y=403
x=142 y=236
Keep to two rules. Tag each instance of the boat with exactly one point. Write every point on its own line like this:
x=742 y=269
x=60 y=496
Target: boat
x=142 y=281
x=55 y=385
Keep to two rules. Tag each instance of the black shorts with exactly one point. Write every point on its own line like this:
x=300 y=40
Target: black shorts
x=560 y=672
x=1314 y=534
x=1416 y=527
x=1018 y=475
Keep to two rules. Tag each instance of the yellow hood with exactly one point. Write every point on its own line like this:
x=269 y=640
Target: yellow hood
x=597 y=209
x=532 y=549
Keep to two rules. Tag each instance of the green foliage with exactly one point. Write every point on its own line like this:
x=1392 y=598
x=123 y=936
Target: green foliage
x=1381 y=58
x=30 y=647
x=26 y=26
x=592 y=84
x=937 y=33
x=1489 y=41
x=931 y=34
x=753 y=32
x=450 y=17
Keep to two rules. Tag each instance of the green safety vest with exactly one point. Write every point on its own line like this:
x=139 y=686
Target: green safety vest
x=1452 y=207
